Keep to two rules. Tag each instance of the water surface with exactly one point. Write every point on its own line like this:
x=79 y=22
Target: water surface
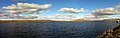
x=54 y=29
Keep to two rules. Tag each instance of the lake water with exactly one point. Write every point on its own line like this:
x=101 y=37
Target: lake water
x=54 y=29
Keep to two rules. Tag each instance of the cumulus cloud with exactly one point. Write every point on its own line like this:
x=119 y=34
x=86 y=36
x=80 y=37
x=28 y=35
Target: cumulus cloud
x=71 y=10
x=59 y=17
x=17 y=16
x=67 y=16
x=95 y=17
x=90 y=16
x=106 y=11
x=98 y=16
x=31 y=17
x=1 y=15
x=26 y=8
x=23 y=11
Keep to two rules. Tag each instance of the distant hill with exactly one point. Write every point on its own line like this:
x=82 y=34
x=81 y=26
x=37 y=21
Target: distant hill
x=78 y=20
x=25 y=20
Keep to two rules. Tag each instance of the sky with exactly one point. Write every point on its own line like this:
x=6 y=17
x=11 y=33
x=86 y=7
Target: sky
x=87 y=5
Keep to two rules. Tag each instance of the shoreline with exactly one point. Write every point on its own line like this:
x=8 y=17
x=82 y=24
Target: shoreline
x=43 y=21
x=78 y=20
x=112 y=33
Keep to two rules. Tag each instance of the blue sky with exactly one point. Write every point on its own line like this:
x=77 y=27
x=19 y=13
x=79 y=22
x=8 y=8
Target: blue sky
x=90 y=5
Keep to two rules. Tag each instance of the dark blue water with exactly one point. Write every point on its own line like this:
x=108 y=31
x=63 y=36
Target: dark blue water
x=54 y=29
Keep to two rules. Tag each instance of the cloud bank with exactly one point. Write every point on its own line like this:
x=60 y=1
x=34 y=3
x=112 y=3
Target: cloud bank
x=104 y=13
x=23 y=11
x=59 y=17
x=96 y=17
x=26 y=8
x=72 y=10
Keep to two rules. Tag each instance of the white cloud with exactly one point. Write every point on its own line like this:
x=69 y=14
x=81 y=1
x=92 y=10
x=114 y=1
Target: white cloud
x=58 y=17
x=1 y=15
x=23 y=11
x=106 y=11
x=90 y=16
x=19 y=16
x=31 y=17
x=72 y=10
x=95 y=17
x=26 y=8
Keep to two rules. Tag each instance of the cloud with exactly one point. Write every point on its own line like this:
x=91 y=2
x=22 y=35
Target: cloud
x=1 y=15
x=26 y=8
x=67 y=16
x=71 y=10
x=95 y=17
x=106 y=11
x=17 y=16
x=23 y=11
x=31 y=17
x=90 y=16
x=58 y=17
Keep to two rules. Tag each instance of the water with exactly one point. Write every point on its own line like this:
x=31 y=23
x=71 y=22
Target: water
x=54 y=29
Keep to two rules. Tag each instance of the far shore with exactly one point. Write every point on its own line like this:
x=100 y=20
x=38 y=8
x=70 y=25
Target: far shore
x=78 y=20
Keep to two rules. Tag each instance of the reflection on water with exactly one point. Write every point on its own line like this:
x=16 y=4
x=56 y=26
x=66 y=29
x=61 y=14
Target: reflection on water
x=54 y=29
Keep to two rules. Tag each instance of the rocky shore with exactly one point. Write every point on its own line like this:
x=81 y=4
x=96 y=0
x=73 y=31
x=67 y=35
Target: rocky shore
x=114 y=33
